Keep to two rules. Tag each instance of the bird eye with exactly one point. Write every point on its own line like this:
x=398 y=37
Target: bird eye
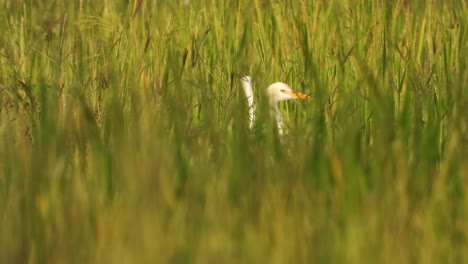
x=282 y=90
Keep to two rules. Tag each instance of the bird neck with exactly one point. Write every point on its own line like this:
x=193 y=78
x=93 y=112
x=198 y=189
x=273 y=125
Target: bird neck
x=247 y=86
x=275 y=113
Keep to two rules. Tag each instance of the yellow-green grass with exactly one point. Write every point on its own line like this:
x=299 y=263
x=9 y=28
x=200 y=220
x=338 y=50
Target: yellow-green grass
x=124 y=132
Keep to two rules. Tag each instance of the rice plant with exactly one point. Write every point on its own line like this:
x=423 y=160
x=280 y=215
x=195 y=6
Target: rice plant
x=125 y=132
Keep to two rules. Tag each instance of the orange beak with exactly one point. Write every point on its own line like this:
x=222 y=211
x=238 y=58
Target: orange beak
x=298 y=95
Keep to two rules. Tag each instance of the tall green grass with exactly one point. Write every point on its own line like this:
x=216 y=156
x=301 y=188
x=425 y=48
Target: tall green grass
x=124 y=132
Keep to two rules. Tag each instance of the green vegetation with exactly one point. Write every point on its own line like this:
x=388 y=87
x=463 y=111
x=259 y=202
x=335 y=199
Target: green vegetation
x=124 y=134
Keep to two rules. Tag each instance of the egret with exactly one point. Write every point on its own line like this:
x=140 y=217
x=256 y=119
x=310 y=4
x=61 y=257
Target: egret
x=276 y=93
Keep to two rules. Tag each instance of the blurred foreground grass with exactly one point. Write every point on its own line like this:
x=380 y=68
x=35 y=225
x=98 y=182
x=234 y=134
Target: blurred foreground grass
x=124 y=132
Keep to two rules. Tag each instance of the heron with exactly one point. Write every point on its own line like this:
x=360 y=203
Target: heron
x=276 y=93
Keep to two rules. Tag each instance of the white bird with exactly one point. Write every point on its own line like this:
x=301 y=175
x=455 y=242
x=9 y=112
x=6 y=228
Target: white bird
x=276 y=93
x=247 y=86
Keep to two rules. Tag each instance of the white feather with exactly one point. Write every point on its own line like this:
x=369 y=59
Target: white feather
x=247 y=86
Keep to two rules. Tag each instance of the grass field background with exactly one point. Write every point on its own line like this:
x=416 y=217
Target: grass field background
x=124 y=132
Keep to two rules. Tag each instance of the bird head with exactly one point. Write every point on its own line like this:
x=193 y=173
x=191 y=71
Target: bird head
x=246 y=79
x=280 y=92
